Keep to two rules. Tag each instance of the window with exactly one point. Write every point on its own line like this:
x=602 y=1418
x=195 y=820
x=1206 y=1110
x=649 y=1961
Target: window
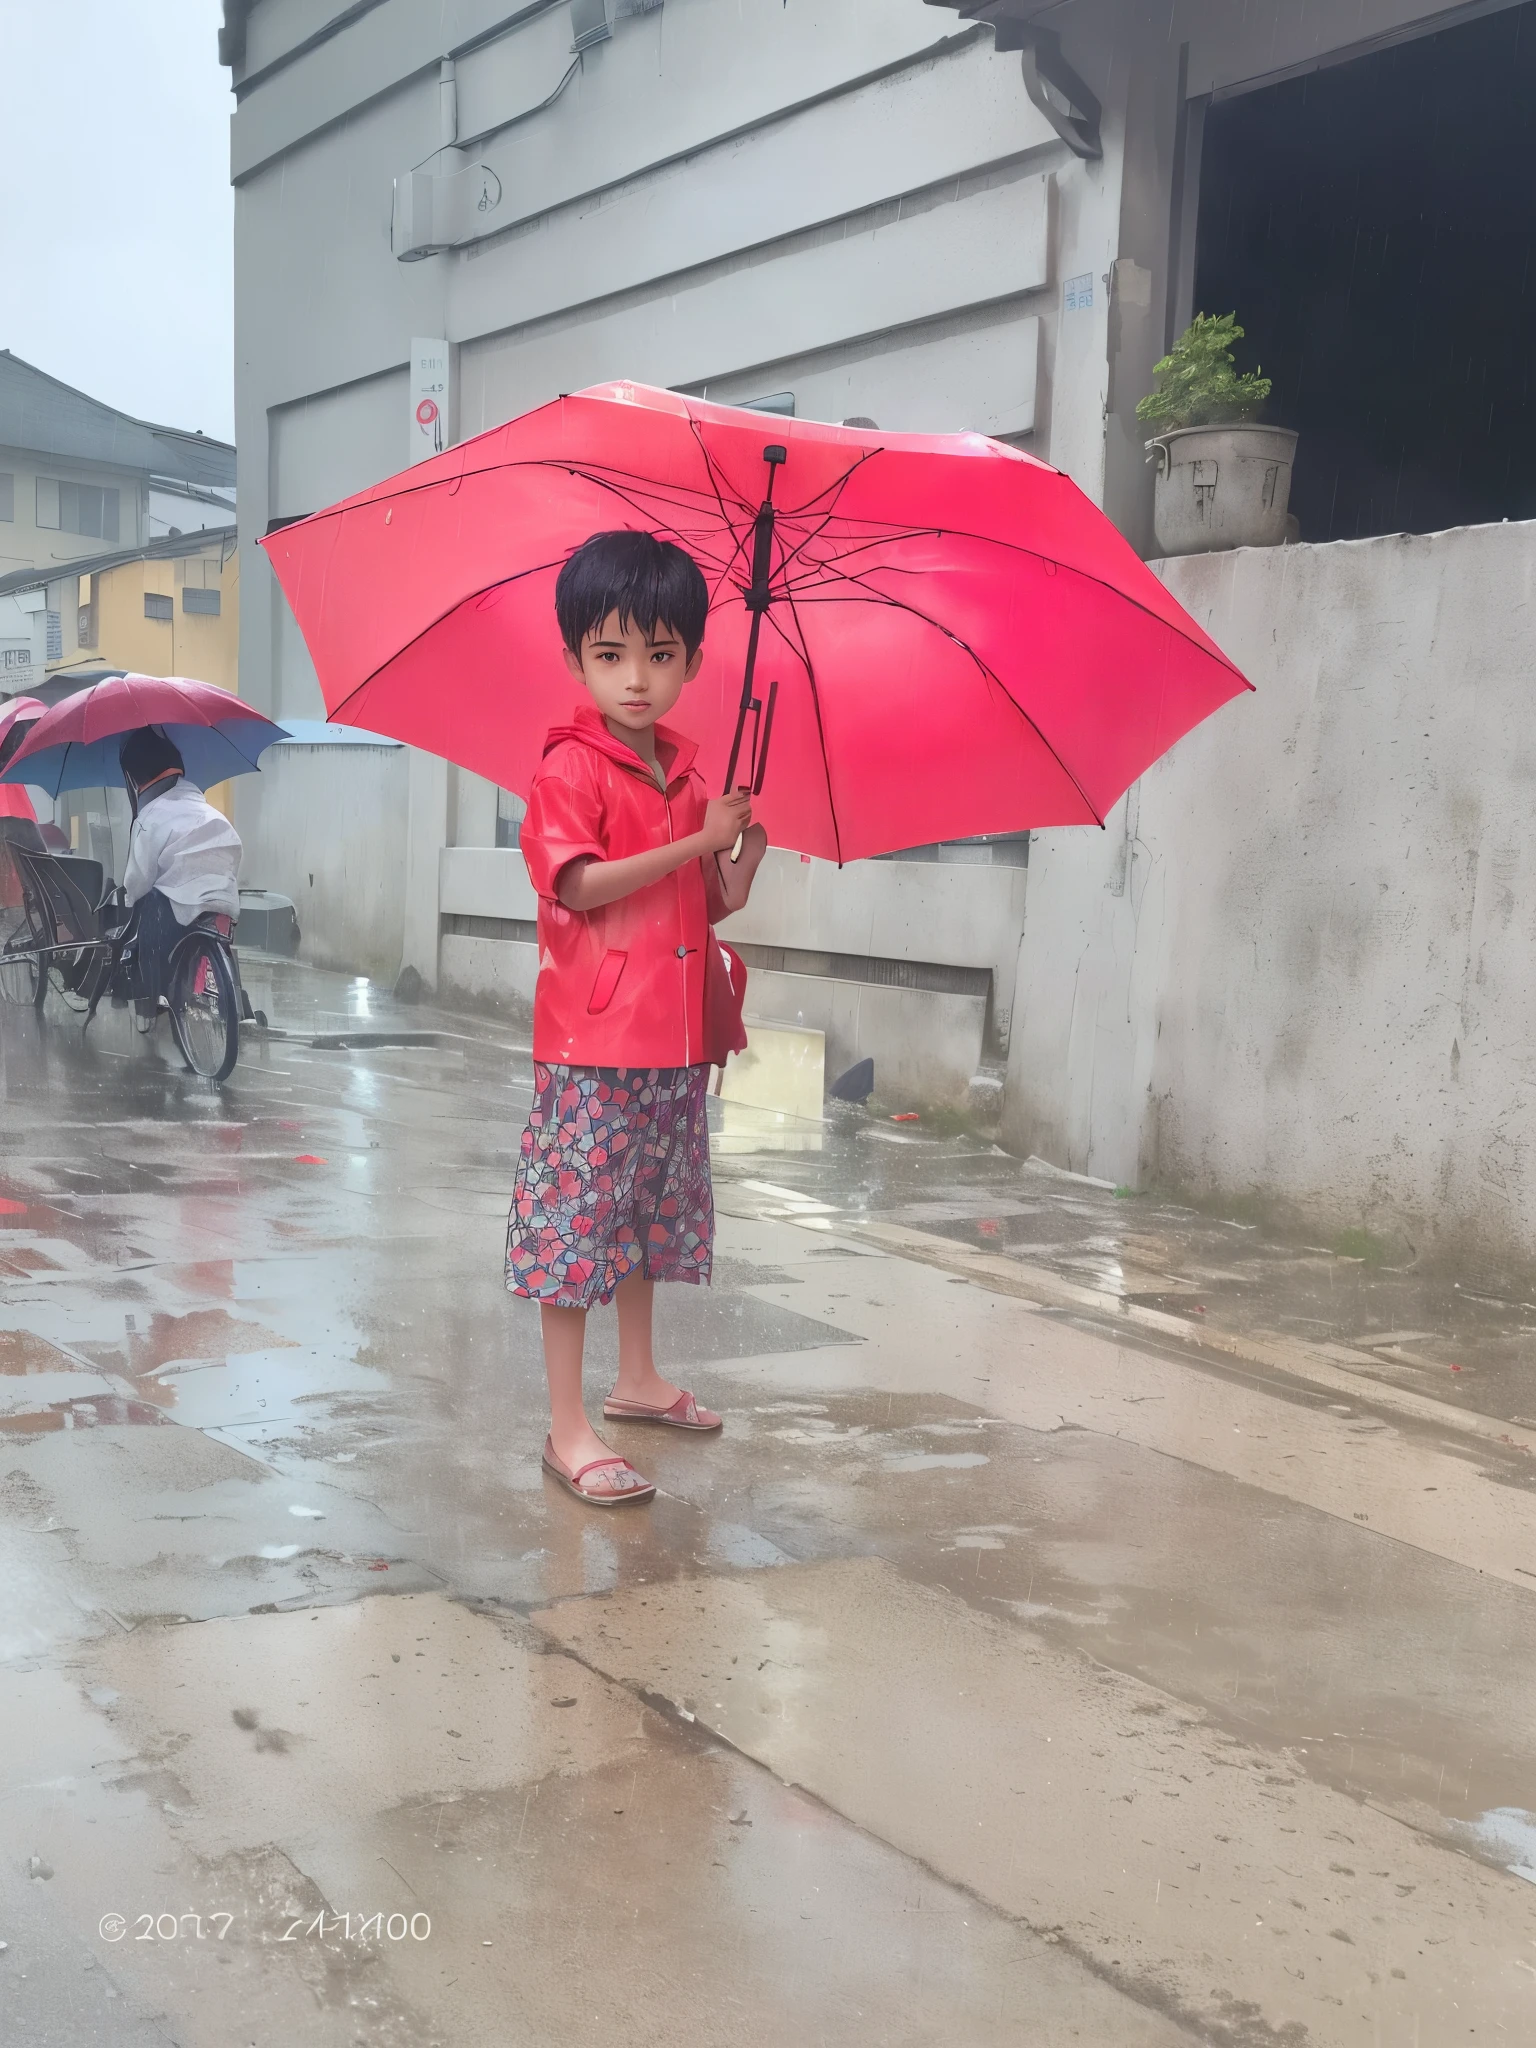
x=203 y=602
x=1371 y=224
x=87 y=509
x=510 y=812
x=7 y=495
x=157 y=607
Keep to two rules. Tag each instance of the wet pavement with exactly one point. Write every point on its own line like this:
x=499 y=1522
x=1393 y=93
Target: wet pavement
x=1099 y=1621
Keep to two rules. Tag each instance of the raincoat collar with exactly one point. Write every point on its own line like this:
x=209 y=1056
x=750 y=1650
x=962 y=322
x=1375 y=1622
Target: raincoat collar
x=587 y=729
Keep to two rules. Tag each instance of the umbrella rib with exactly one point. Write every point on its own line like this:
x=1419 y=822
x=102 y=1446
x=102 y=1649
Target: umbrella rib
x=879 y=597
x=820 y=565
x=721 y=569
x=637 y=504
x=838 y=484
x=1066 y=568
x=712 y=471
x=803 y=652
x=695 y=546
x=824 y=519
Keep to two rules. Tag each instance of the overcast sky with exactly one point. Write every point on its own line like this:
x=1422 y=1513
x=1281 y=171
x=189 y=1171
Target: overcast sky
x=115 y=236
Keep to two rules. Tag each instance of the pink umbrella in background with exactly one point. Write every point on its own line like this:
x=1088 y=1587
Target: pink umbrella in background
x=75 y=745
x=17 y=716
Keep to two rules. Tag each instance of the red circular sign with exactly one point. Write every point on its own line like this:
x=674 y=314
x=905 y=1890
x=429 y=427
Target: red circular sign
x=426 y=412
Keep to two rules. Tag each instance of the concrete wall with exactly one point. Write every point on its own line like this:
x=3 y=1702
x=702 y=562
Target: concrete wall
x=1301 y=963
x=327 y=825
x=926 y=1043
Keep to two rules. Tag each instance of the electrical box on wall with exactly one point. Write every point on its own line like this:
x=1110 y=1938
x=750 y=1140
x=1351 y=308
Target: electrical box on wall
x=434 y=213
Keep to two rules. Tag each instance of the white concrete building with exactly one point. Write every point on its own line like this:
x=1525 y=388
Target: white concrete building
x=942 y=214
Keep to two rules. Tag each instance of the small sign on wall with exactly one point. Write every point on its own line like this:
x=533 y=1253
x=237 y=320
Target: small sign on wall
x=429 y=398
x=1078 y=293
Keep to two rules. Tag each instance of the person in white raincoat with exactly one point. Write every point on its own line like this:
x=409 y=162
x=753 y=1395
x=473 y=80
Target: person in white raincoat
x=183 y=857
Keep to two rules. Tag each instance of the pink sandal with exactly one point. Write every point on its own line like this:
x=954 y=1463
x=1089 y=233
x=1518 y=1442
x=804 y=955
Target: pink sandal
x=625 y=1485
x=685 y=1413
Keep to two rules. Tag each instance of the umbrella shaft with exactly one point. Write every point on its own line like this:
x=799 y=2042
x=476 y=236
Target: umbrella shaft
x=746 y=699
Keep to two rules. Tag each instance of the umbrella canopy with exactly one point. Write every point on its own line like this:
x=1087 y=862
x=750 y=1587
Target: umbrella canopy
x=75 y=745
x=962 y=643
x=16 y=715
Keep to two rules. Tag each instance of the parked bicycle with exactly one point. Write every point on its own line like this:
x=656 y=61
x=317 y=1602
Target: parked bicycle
x=73 y=933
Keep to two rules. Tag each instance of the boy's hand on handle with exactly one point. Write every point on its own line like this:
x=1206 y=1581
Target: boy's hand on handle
x=725 y=819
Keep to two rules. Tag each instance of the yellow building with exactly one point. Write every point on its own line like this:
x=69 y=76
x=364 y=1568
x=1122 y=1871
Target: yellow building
x=168 y=607
x=172 y=609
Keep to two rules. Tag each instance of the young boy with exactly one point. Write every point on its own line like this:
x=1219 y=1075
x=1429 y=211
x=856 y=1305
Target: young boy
x=628 y=855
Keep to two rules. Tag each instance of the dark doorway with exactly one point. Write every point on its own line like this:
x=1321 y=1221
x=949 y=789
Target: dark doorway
x=1372 y=226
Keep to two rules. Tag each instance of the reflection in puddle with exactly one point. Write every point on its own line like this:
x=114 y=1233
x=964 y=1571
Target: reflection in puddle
x=200 y=1333
x=93 y=1411
x=22 y=1352
x=730 y=1543
x=263 y=1386
x=1040 y=1610
x=930 y=1461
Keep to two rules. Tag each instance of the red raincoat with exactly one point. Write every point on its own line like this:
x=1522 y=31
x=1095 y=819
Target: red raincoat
x=642 y=982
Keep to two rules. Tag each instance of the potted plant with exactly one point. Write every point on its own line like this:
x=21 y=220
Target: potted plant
x=1223 y=477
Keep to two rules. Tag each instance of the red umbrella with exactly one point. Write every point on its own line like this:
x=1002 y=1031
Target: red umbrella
x=961 y=642
x=16 y=716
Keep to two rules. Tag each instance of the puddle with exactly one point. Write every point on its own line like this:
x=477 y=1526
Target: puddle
x=93 y=1411
x=1508 y=1835
x=730 y=1543
x=285 y=1385
x=1041 y=1610
x=201 y=1333
x=932 y=1461
x=38 y=1616
x=22 y=1352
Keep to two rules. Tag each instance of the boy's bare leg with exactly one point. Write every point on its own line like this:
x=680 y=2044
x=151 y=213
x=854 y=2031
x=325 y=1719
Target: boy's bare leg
x=575 y=1441
x=638 y=1378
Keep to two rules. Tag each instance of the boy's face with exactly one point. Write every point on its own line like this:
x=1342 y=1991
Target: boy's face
x=633 y=679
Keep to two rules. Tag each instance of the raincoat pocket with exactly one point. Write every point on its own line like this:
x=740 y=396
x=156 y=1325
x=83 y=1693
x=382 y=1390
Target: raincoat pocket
x=607 y=981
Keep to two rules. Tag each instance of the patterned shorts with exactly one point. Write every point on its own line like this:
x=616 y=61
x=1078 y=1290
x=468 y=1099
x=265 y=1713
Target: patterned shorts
x=614 y=1179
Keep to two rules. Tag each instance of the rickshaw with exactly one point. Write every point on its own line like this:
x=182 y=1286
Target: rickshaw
x=71 y=929
x=73 y=932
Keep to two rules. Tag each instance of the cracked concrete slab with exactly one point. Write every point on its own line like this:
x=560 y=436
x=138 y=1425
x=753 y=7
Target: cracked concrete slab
x=1172 y=1858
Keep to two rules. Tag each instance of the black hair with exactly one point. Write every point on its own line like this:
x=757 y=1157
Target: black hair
x=146 y=753
x=648 y=582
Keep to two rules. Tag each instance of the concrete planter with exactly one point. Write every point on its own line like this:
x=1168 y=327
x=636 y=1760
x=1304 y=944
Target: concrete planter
x=1222 y=487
